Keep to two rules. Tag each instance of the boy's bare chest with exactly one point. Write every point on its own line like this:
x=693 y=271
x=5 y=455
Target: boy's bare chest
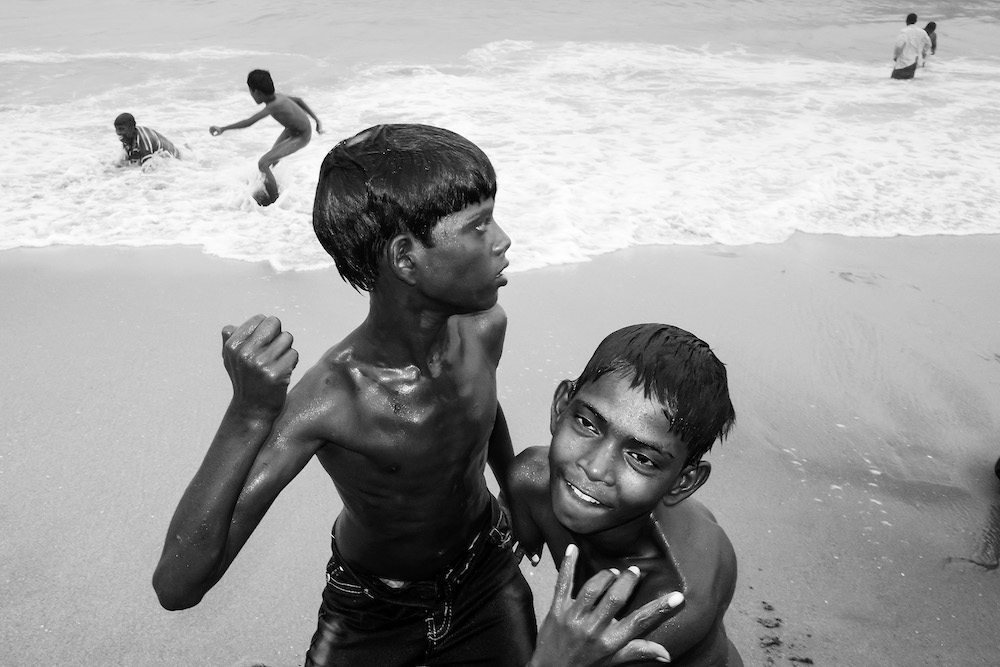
x=408 y=414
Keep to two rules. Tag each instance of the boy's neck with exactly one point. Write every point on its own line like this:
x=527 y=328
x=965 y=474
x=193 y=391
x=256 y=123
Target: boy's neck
x=404 y=333
x=633 y=540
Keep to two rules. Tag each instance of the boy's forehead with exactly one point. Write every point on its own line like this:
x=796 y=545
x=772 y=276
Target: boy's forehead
x=628 y=407
x=471 y=212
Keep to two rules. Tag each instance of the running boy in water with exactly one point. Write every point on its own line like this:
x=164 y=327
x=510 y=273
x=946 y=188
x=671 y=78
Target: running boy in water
x=290 y=112
x=402 y=414
x=626 y=454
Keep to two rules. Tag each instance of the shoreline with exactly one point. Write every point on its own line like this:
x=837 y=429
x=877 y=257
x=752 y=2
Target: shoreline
x=864 y=372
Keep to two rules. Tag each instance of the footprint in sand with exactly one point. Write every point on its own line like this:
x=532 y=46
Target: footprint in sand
x=773 y=642
x=867 y=278
x=987 y=552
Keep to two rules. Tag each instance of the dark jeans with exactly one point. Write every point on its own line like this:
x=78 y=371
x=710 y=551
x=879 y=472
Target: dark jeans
x=904 y=72
x=478 y=612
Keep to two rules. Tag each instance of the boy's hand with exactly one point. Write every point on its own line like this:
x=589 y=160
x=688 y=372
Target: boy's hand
x=319 y=127
x=521 y=549
x=534 y=553
x=584 y=631
x=259 y=359
x=215 y=130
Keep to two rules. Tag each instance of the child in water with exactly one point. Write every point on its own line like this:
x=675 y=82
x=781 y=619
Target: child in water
x=291 y=112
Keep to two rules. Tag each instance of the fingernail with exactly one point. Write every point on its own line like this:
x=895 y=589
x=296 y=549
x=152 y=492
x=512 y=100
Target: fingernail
x=634 y=570
x=614 y=571
x=571 y=550
x=675 y=599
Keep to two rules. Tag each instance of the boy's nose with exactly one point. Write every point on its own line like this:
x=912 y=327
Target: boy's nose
x=598 y=463
x=502 y=242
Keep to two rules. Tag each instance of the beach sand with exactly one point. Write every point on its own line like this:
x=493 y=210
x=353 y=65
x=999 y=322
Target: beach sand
x=865 y=375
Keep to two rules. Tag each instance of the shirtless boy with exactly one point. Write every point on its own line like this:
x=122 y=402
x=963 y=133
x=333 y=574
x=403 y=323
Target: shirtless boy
x=627 y=442
x=290 y=112
x=402 y=414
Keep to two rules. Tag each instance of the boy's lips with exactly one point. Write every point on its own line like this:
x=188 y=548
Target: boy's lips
x=582 y=495
x=500 y=277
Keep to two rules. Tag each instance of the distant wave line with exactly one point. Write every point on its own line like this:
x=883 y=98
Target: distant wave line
x=55 y=57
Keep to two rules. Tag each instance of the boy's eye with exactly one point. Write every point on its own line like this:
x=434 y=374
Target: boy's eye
x=481 y=227
x=641 y=459
x=586 y=423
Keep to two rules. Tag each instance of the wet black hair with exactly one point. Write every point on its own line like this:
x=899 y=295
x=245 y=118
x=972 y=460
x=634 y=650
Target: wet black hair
x=911 y=19
x=260 y=79
x=125 y=120
x=680 y=370
x=930 y=27
x=389 y=180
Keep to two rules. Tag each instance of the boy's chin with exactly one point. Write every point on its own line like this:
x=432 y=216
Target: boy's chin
x=585 y=522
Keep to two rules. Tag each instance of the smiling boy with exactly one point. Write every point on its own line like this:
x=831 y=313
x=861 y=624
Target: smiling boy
x=625 y=456
x=141 y=144
x=403 y=416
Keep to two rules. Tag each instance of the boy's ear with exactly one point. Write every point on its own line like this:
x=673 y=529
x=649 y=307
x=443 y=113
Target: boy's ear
x=400 y=254
x=564 y=392
x=690 y=479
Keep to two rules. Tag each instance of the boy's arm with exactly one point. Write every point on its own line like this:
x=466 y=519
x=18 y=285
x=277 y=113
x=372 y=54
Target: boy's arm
x=215 y=130
x=490 y=327
x=528 y=485
x=500 y=454
x=305 y=107
x=708 y=593
x=220 y=508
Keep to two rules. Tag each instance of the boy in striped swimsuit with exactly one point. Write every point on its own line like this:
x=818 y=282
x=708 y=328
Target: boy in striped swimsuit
x=141 y=143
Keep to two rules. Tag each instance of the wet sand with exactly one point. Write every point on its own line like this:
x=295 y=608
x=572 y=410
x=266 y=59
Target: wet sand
x=857 y=487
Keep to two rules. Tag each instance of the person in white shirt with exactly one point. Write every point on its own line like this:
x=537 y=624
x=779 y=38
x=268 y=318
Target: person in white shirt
x=911 y=44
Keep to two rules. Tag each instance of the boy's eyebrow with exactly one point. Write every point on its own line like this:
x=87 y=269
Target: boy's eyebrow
x=485 y=214
x=656 y=447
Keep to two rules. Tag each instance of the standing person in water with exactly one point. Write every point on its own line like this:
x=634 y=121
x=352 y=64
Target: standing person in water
x=909 y=49
x=141 y=143
x=291 y=112
x=931 y=30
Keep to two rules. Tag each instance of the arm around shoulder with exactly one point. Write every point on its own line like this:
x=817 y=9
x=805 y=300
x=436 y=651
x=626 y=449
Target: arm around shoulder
x=528 y=485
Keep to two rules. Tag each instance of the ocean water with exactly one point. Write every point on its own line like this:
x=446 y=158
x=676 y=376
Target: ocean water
x=610 y=124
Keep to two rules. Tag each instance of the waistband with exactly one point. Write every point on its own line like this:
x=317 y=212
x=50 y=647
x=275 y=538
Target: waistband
x=494 y=530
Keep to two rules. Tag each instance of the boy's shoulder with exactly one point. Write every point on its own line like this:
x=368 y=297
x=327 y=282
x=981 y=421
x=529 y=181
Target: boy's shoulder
x=695 y=539
x=487 y=326
x=528 y=480
x=530 y=470
x=482 y=322
x=331 y=382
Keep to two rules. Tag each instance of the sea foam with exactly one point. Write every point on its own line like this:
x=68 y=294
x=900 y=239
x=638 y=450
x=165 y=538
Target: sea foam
x=598 y=146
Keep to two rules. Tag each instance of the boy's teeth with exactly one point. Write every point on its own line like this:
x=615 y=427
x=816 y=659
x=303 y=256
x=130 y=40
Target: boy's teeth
x=580 y=494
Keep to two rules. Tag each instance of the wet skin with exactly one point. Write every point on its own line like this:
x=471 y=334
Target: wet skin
x=293 y=114
x=401 y=415
x=612 y=482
